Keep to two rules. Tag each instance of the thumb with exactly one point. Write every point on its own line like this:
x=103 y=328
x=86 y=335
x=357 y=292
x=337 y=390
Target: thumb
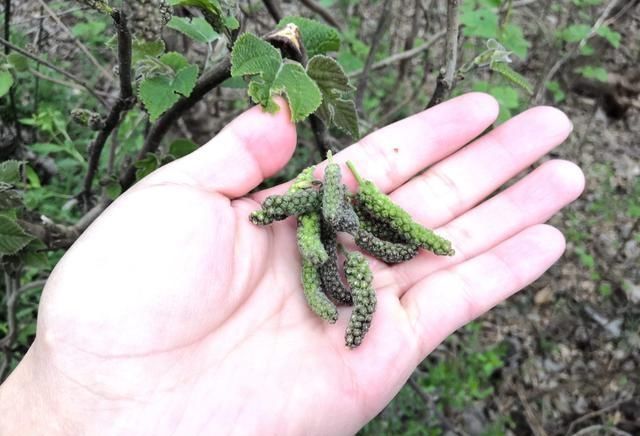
x=251 y=148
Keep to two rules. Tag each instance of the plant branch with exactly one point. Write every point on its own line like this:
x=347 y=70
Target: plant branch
x=401 y=56
x=602 y=20
x=12 y=92
x=123 y=104
x=273 y=8
x=54 y=68
x=107 y=74
x=209 y=80
x=383 y=21
x=447 y=77
x=57 y=236
x=324 y=13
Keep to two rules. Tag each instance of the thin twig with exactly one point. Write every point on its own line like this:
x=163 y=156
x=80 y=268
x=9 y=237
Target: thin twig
x=447 y=426
x=596 y=413
x=324 y=13
x=601 y=21
x=209 y=80
x=122 y=105
x=383 y=21
x=54 y=68
x=402 y=55
x=57 y=236
x=106 y=73
x=273 y=8
x=38 y=75
x=600 y=430
x=447 y=77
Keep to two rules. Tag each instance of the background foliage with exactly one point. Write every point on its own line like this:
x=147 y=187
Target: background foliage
x=561 y=357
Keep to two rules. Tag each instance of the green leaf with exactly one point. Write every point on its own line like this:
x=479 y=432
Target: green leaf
x=301 y=91
x=513 y=39
x=610 y=35
x=574 y=33
x=6 y=81
x=256 y=58
x=113 y=189
x=12 y=236
x=146 y=165
x=18 y=61
x=334 y=83
x=318 y=38
x=157 y=95
x=252 y=55
x=595 y=73
x=196 y=28
x=345 y=117
x=10 y=172
x=174 y=60
x=144 y=49
x=182 y=147
x=556 y=91
x=185 y=80
x=481 y=23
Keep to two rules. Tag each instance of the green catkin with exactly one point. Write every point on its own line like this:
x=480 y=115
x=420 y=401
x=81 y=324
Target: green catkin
x=376 y=227
x=317 y=300
x=304 y=180
x=148 y=17
x=348 y=220
x=331 y=281
x=332 y=193
x=381 y=207
x=309 y=238
x=389 y=252
x=359 y=277
x=279 y=207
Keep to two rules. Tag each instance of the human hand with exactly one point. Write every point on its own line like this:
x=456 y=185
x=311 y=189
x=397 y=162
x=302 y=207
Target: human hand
x=173 y=314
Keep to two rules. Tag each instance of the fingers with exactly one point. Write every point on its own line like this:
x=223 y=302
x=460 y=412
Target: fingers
x=461 y=181
x=450 y=298
x=394 y=154
x=531 y=201
x=251 y=148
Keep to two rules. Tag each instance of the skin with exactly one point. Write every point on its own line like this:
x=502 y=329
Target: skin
x=173 y=314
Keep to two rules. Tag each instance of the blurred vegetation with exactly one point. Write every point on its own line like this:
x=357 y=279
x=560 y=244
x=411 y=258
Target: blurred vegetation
x=579 y=54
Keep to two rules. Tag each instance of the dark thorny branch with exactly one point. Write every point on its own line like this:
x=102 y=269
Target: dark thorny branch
x=383 y=21
x=274 y=9
x=125 y=100
x=447 y=77
x=209 y=80
x=324 y=13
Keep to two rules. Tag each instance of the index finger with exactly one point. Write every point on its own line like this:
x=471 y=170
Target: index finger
x=394 y=154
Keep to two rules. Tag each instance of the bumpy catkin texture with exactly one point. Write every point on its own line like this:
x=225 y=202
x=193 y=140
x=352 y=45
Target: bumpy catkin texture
x=309 y=238
x=376 y=227
x=389 y=252
x=332 y=194
x=359 y=277
x=317 y=300
x=348 y=220
x=279 y=207
x=329 y=273
x=382 y=208
x=148 y=17
x=304 y=180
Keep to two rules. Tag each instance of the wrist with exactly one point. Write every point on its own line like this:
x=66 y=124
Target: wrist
x=28 y=402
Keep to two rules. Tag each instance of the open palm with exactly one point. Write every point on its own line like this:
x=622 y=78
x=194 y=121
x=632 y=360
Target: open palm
x=173 y=314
